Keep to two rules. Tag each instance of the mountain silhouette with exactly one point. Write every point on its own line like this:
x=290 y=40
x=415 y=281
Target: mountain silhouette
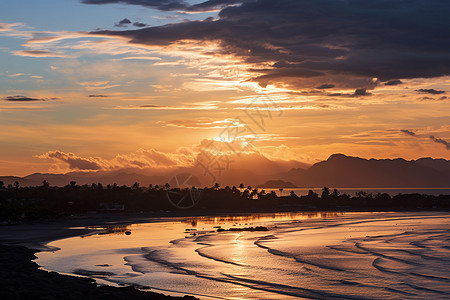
x=338 y=171
x=344 y=171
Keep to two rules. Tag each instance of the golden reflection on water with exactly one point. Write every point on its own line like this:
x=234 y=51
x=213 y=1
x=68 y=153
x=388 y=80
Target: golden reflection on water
x=109 y=229
x=161 y=231
x=238 y=265
x=244 y=220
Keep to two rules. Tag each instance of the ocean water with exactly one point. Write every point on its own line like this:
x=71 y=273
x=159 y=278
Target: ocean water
x=302 y=256
x=353 y=191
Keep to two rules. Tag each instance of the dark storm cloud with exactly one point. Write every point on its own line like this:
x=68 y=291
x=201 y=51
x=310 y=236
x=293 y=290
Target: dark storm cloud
x=383 y=39
x=431 y=91
x=123 y=23
x=408 y=132
x=169 y=5
x=394 y=82
x=440 y=141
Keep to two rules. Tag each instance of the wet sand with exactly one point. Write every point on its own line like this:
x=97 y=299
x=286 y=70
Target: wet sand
x=351 y=255
x=21 y=277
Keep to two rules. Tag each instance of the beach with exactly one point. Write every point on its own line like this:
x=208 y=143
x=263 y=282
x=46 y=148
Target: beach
x=21 y=277
x=314 y=255
x=317 y=255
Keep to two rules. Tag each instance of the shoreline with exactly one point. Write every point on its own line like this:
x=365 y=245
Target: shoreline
x=19 y=243
x=37 y=234
x=23 y=279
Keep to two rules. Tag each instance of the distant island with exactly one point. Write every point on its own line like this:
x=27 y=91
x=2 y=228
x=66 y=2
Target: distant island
x=276 y=184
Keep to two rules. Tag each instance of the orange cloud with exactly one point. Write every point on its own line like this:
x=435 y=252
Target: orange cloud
x=141 y=159
x=75 y=162
x=208 y=152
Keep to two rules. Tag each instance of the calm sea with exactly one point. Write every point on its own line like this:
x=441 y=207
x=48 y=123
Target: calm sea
x=302 y=256
x=353 y=191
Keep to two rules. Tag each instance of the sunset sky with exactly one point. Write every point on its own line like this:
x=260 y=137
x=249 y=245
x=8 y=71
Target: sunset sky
x=90 y=85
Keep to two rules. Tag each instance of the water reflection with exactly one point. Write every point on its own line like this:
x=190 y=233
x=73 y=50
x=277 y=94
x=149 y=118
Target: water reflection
x=244 y=220
x=109 y=229
x=304 y=255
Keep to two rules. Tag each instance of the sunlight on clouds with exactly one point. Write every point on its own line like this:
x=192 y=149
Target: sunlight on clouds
x=206 y=84
x=142 y=57
x=98 y=85
x=161 y=107
x=206 y=123
x=17 y=30
x=218 y=71
x=121 y=93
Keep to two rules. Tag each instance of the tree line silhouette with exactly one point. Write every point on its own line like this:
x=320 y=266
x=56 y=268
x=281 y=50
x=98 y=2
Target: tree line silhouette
x=42 y=202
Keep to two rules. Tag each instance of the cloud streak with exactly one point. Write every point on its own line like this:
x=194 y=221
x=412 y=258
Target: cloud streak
x=171 y=5
x=431 y=91
x=97 y=96
x=21 y=99
x=440 y=141
x=204 y=123
x=26 y=99
x=394 y=82
x=39 y=53
x=206 y=106
x=408 y=132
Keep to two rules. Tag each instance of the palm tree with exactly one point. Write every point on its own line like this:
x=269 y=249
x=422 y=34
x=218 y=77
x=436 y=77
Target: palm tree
x=254 y=193
x=325 y=192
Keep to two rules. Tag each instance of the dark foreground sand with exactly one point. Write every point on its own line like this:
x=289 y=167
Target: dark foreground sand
x=20 y=278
